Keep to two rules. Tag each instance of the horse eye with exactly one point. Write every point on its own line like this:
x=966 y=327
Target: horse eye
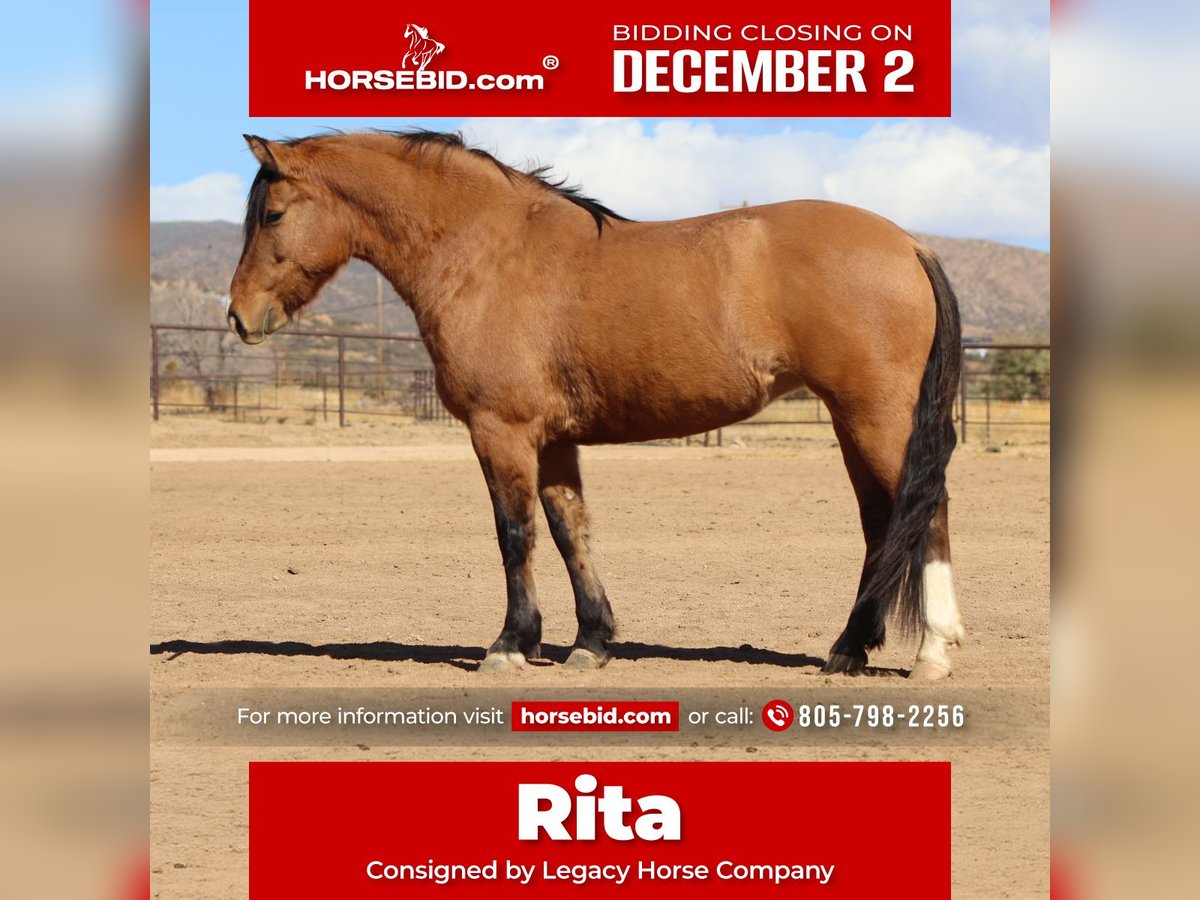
x=273 y=218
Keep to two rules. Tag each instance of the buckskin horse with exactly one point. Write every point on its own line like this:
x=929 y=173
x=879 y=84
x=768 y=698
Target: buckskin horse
x=554 y=322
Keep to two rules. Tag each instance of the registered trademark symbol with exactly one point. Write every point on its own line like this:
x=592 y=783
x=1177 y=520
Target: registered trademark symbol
x=550 y=62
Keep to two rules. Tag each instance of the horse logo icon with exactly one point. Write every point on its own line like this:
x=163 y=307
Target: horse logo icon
x=421 y=47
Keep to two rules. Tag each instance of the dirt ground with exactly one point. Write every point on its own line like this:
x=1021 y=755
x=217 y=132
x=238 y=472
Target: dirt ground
x=727 y=567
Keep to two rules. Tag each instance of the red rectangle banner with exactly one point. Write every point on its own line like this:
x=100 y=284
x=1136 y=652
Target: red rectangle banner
x=349 y=830
x=700 y=58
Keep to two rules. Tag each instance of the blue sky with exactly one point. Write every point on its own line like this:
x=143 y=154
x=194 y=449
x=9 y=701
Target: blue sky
x=198 y=97
x=982 y=173
x=88 y=39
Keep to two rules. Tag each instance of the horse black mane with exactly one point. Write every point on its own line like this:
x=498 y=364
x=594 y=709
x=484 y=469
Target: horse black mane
x=454 y=140
x=256 y=202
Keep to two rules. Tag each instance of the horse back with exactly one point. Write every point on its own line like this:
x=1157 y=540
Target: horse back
x=677 y=327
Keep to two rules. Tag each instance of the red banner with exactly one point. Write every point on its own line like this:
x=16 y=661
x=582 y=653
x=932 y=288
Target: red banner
x=349 y=830
x=699 y=58
x=607 y=715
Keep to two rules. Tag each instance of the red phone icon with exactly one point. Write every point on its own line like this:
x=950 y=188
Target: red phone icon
x=777 y=715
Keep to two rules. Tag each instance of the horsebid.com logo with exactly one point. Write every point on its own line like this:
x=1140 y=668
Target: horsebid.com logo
x=414 y=74
x=421 y=47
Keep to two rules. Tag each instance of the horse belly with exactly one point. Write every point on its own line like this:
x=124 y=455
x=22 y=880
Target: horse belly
x=684 y=343
x=660 y=405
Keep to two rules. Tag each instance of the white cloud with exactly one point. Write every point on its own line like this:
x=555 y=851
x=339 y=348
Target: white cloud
x=1121 y=99
x=946 y=181
x=217 y=195
x=926 y=176
x=67 y=114
x=1001 y=78
x=678 y=168
x=1001 y=68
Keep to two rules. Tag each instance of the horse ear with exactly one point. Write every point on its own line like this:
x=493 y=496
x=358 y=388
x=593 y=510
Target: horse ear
x=263 y=150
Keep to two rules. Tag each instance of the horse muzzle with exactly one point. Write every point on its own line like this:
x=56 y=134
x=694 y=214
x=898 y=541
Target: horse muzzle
x=272 y=321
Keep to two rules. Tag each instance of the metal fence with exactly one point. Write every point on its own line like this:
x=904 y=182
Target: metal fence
x=335 y=375
x=1004 y=395
x=203 y=368
x=1005 y=390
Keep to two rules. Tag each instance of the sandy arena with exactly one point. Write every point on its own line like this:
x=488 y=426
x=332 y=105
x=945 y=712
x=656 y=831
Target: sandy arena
x=726 y=567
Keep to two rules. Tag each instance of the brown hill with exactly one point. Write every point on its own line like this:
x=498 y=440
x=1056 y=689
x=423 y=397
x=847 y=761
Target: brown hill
x=203 y=255
x=1004 y=291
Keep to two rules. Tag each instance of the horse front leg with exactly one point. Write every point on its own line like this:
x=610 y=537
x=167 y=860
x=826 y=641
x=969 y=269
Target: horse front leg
x=562 y=498
x=508 y=457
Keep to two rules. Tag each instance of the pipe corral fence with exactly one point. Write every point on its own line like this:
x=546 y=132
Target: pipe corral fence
x=343 y=376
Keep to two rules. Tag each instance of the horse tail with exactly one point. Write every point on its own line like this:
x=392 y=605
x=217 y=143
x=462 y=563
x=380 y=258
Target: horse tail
x=899 y=564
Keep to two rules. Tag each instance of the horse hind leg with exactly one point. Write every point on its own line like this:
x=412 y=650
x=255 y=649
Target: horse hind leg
x=866 y=628
x=943 y=623
x=561 y=489
x=874 y=457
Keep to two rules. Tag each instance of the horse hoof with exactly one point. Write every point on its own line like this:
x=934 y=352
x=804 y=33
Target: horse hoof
x=584 y=659
x=501 y=662
x=927 y=671
x=842 y=662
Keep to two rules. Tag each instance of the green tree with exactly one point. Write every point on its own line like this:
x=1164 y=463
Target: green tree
x=1018 y=374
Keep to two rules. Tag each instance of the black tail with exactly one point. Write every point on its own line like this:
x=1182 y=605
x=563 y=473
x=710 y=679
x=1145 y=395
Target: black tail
x=899 y=563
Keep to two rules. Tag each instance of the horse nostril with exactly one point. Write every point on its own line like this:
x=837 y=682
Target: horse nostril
x=236 y=324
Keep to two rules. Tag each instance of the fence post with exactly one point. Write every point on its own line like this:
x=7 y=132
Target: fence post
x=324 y=397
x=236 y=378
x=341 y=381
x=154 y=368
x=962 y=406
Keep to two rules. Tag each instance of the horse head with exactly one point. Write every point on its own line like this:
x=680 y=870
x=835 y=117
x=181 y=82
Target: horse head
x=296 y=238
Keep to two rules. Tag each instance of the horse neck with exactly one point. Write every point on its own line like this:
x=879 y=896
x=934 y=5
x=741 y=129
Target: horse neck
x=455 y=222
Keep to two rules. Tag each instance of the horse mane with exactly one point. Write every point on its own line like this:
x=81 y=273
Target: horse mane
x=453 y=141
x=449 y=141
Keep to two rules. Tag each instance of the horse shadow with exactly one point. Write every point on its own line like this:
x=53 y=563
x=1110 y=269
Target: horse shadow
x=468 y=658
x=377 y=651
